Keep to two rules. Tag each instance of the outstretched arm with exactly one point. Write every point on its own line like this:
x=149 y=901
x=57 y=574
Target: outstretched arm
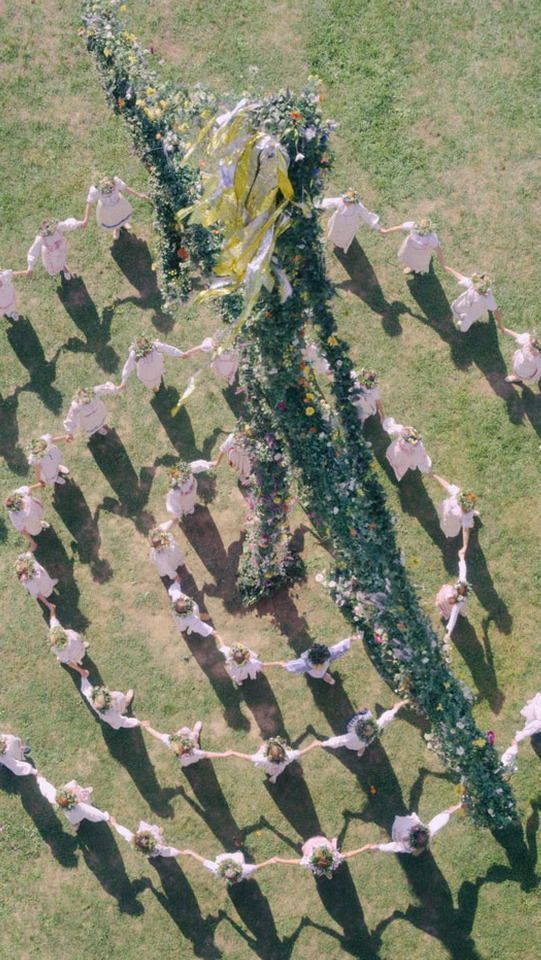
x=212 y=756
x=135 y=193
x=498 y=318
x=439 y=253
x=293 y=863
x=391 y=229
x=454 y=273
x=153 y=733
x=274 y=663
x=354 y=853
x=311 y=746
x=240 y=756
x=195 y=856
x=442 y=481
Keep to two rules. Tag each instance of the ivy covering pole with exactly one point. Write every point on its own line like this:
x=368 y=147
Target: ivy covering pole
x=320 y=444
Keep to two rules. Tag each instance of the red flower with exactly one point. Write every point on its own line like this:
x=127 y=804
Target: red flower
x=183 y=254
x=295 y=115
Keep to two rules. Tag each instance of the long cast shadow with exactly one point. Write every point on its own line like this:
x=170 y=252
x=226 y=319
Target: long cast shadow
x=483 y=586
x=78 y=303
x=210 y=803
x=42 y=372
x=102 y=856
x=203 y=535
x=10 y=450
x=128 y=748
x=132 y=491
x=51 y=551
x=254 y=910
x=532 y=406
x=180 y=903
x=48 y=825
x=134 y=259
x=364 y=284
x=71 y=506
x=480 y=662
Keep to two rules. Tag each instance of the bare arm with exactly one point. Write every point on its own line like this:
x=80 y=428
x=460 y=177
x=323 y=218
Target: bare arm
x=391 y=229
x=465 y=540
x=353 y=853
x=153 y=733
x=241 y=756
x=191 y=853
x=264 y=863
x=454 y=273
x=498 y=318
x=212 y=756
x=21 y=273
x=311 y=746
x=135 y=193
x=441 y=480
x=274 y=663
x=294 y=863
x=512 y=333
x=439 y=253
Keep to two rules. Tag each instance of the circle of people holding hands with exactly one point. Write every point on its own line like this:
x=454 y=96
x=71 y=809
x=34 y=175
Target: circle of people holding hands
x=87 y=416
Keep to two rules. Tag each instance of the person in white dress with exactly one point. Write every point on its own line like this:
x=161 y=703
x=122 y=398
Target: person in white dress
x=320 y=856
x=241 y=663
x=365 y=396
x=45 y=457
x=26 y=513
x=532 y=715
x=452 y=598
x=417 y=249
x=8 y=296
x=182 y=494
x=407 y=451
x=146 y=357
x=52 y=245
x=87 y=413
x=12 y=754
x=238 y=454
x=273 y=756
x=509 y=759
x=165 y=552
x=311 y=354
x=347 y=217
x=526 y=360
x=187 y=615
x=225 y=360
x=113 y=211
x=457 y=512
x=67 y=645
x=316 y=660
x=148 y=839
x=476 y=300
x=34 y=578
x=185 y=744
x=230 y=867
x=410 y=835
x=109 y=705
x=72 y=799
x=363 y=729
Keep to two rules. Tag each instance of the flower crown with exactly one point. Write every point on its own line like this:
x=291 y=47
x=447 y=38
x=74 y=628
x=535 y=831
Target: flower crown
x=412 y=436
x=351 y=196
x=142 y=346
x=182 y=744
x=159 y=538
x=535 y=342
x=318 y=654
x=3 y=745
x=481 y=282
x=364 y=726
x=180 y=474
x=229 y=870
x=240 y=653
x=145 y=841
x=58 y=638
x=187 y=603
x=467 y=500
x=323 y=861
x=83 y=395
x=25 y=565
x=423 y=227
x=37 y=446
x=462 y=589
x=419 y=837
x=367 y=378
x=66 y=799
x=48 y=227
x=14 y=502
x=101 y=698
x=280 y=744
x=105 y=185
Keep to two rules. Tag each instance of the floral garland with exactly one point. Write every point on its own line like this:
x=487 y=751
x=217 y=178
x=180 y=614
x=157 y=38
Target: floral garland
x=37 y=447
x=467 y=500
x=182 y=744
x=25 y=566
x=145 y=842
x=180 y=475
x=323 y=861
x=66 y=799
x=160 y=539
x=142 y=346
x=58 y=638
x=239 y=654
x=101 y=698
x=364 y=726
x=282 y=745
x=15 y=503
x=189 y=606
x=48 y=228
x=83 y=396
x=229 y=870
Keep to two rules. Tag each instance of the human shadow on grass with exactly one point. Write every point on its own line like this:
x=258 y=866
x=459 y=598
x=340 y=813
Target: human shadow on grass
x=10 y=450
x=483 y=586
x=133 y=257
x=254 y=911
x=210 y=803
x=363 y=283
x=70 y=504
x=48 y=825
x=480 y=661
x=179 y=427
x=102 y=856
x=202 y=533
x=78 y=303
x=42 y=372
x=50 y=550
x=178 y=900
x=131 y=490
x=532 y=407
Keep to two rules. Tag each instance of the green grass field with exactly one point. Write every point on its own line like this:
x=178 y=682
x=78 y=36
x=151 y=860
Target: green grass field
x=438 y=106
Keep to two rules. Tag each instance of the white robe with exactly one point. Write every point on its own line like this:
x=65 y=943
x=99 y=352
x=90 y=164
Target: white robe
x=532 y=714
x=53 y=249
x=247 y=868
x=40 y=583
x=237 y=456
x=161 y=849
x=346 y=219
x=452 y=611
x=453 y=518
x=48 y=461
x=150 y=368
x=8 y=300
x=114 y=716
x=112 y=210
x=180 y=501
x=90 y=417
x=13 y=757
x=470 y=305
x=416 y=250
x=303 y=665
x=30 y=517
x=273 y=770
x=82 y=810
x=191 y=623
x=239 y=672
x=309 y=846
x=351 y=741
x=76 y=649
x=226 y=362
x=185 y=759
x=509 y=758
x=401 y=830
x=526 y=360
x=167 y=559
x=404 y=456
x=367 y=402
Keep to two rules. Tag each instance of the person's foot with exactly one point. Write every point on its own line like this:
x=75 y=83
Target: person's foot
x=85 y=673
x=32 y=546
x=67 y=275
x=129 y=697
x=27 y=749
x=512 y=379
x=13 y=316
x=328 y=679
x=45 y=525
x=116 y=234
x=64 y=470
x=407 y=270
x=102 y=431
x=60 y=481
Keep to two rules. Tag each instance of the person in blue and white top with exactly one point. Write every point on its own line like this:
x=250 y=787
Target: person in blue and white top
x=316 y=660
x=362 y=729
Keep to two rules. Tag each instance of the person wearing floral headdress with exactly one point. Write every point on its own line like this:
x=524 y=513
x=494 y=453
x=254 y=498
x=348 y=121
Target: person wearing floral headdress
x=67 y=645
x=410 y=835
x=526 y=360
x=187 y=615
x=109 y=705
x=457 y=512
x=26 y=513
x=8 y=298
x=348 y=215
x=34 y=578
x=113 y=211
x=321 y=857
x=51 y=244
x=72 y=799
x=241 y=663
x=12 y=754
x=146 y=357
x=225 y=361
x=364 y=394
x=44 y=456
x=273 y=756
x=230 y=867
x=88 y=413
x=185 y=744
x=475 y=301
x=416 y=250
x=407 y=451
x=147 y=839
x=238 y=455
x=316 y=660
x=165 y=552
x=362 y=729
x=452 y=598
x=182 y=494
x=312 y=354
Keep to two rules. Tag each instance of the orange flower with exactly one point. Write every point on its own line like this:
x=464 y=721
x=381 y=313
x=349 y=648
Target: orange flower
x=183 y=254
x=295 y=115
x=121 y=102
x=373 y=790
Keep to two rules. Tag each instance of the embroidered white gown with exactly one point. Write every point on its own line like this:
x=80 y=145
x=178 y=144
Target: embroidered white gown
x=83 y=810
x=404 y=456
x=191 y=622
x=226 y=361
x=90 y=417
x=13 y=758
x=53 y=249
x=180 y=501
x=31 y=516
x=49 y=461
x=273 y=770
x=416 y=250
x=346 y=220
x=76 y=649
x=167 y=559
x=471 y=305
x=239 y=672
x=453 y=519
x=114 y=717
x=150 y=368
x=112 y=209
x=451 y=611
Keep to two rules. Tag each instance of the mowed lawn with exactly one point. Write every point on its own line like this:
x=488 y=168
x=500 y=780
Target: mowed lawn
x=438 y=106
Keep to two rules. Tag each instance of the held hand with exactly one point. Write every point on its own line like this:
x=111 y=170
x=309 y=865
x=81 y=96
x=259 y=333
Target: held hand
x=145 y=724
x=122 y=387
x=68 y=437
